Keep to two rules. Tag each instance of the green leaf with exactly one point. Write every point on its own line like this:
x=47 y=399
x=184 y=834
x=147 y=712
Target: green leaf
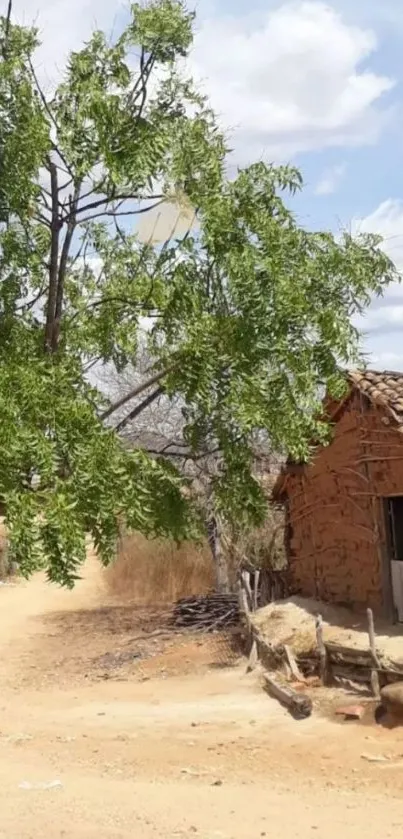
x=250 y=313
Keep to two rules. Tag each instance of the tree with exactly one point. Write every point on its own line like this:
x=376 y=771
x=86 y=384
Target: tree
x=249 y=312
x=158 y=429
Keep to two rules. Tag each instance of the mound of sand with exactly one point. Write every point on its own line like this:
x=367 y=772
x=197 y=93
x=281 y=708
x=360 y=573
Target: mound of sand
x=292 y=622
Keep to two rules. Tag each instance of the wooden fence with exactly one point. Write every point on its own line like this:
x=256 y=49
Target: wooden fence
x=330 y=661
x=263 y=586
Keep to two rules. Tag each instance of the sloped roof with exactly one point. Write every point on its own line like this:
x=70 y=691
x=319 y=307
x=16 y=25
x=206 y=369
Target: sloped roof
x=382 y=388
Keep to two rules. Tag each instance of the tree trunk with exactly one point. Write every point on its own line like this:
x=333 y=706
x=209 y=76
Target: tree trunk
x=220 y=563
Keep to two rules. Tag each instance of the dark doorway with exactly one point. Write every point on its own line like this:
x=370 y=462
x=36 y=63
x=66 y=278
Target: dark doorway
x=394 y=528
x=394 y=510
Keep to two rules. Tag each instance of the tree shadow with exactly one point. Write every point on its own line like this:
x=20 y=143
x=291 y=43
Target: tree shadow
x=110 y=620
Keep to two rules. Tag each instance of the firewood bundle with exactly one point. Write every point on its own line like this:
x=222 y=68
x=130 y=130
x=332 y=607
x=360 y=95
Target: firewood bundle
x=206 y=613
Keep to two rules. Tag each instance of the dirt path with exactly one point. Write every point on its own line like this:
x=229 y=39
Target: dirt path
x=169 y=745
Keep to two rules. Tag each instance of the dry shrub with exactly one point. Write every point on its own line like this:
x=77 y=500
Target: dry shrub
x=157 y=571
x=261 y=547
x=264 y=546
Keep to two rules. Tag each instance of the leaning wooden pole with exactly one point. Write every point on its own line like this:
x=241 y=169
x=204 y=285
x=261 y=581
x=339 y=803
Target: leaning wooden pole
x=374 y=671
x=323 y=663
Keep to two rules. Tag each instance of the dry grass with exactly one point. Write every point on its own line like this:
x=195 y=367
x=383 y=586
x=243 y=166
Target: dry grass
x=156 y=571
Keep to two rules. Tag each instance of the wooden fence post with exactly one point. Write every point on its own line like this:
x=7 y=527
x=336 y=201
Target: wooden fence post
x=374 y=672
x=322 y=650
x=245 y=576
x=256 y=590
x=245 y=612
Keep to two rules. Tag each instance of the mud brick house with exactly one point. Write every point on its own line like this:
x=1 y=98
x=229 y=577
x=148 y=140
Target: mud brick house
x=344 y=510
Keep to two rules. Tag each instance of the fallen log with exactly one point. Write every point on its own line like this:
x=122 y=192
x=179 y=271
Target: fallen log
x=299 y=706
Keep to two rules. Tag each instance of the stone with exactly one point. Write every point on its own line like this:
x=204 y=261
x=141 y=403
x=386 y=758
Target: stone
x=392 y=697
x=391 y=707
x=374 y=758
x=351 y=712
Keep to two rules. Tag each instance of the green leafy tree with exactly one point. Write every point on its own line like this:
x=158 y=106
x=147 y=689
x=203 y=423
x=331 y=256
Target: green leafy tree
x=250 y=313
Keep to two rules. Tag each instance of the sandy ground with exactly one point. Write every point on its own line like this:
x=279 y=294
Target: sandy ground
x=172 y=744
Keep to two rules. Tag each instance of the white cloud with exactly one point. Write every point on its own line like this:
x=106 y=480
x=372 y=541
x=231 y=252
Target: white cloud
x=64 y=25
x=291 y=80
x=287 y=81
x=387 y=15
x=388 y=359
x=382 y=323
x=387 y=221
x=330 y=180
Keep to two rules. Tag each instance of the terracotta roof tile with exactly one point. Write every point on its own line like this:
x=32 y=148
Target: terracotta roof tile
x=382 y=388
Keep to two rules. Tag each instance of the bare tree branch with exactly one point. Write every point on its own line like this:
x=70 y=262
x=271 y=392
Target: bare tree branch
x=82 y=250
x=136 y=392
x=93 y=205
x=125 y=301
x=139 y=409
x=42 y=219
x=26 y=307
x=90 y=364
x=116 y=212
x=51 y=116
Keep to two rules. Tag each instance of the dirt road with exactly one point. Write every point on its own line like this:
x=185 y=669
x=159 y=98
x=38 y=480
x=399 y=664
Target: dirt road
x=172 y=745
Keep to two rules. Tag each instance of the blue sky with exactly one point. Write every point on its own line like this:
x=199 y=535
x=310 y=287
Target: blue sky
x=320 y=84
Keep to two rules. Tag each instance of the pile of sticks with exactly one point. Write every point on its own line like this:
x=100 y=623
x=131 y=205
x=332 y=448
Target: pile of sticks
x=206 y=613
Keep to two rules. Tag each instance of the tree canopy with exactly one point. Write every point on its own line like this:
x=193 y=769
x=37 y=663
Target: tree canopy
x=249 y=312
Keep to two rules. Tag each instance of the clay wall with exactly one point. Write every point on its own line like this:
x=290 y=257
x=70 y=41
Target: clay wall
x=337 y=539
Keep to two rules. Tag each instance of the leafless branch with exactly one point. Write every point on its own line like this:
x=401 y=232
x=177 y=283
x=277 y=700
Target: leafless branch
x=82 y=250
x=44 y=195
x=51 y=116
x=108 y=199
x=26 y=307
x=139 y=409
x=47 y=222
x=125 y=301
x=63 y=187
x=116 y=212
x=136 y=392
x=95 y=189
x=87 y=367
